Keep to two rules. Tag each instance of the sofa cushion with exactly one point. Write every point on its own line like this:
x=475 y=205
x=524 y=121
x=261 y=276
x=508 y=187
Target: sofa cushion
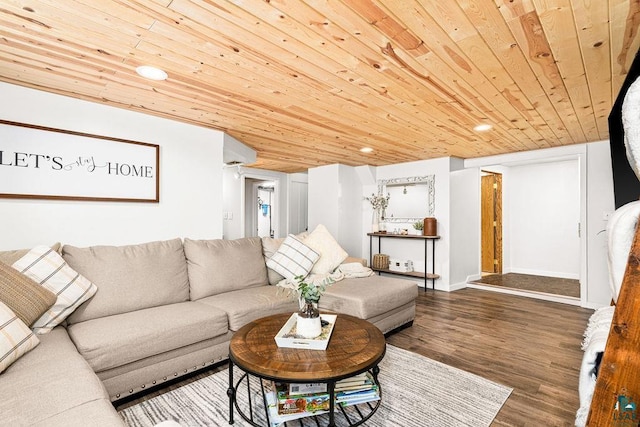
x=293 y=258
x=47 y=385
x=247 y=305
x=112 y=341
x=130 y=277
x=16 y=339
x=331 y=253
x=96 y=413
x=217 y=266
x=368 y=297
x=269 y=247
x=46 y=267
x=26 y=298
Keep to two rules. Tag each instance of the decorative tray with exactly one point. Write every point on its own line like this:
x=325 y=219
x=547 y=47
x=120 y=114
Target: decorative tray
x=287 y=337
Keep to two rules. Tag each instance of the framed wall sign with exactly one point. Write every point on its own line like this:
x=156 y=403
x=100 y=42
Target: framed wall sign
x=44 y=163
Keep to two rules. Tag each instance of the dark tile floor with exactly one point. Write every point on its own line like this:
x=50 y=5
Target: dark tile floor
x=528 y=282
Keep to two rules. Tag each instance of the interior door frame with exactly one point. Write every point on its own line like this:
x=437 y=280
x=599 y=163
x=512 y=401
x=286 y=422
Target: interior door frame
x=243 y=197
x=578 y=153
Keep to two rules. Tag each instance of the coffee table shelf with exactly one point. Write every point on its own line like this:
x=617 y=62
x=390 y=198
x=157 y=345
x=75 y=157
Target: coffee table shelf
x=356 y=346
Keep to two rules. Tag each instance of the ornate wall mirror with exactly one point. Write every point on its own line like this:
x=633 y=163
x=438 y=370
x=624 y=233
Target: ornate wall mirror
x=410 y=199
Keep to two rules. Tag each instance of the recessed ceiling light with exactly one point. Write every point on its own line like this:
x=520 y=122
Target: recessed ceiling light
x=153 y=73
x=366 y=150
x=482 y=127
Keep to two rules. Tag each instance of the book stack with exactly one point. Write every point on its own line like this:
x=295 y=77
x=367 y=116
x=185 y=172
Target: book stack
x=300 y=398
x=291 y=401
x=355 y=390
x=288 y=402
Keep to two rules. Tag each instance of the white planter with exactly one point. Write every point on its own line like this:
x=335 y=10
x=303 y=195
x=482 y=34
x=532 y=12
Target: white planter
x=308 y=327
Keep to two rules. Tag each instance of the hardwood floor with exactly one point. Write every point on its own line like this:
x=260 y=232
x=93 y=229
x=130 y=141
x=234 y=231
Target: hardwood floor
x=529 y=282
x=530 y=345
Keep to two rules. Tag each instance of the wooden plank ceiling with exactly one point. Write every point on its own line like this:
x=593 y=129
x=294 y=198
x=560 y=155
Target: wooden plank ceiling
x=308 y=83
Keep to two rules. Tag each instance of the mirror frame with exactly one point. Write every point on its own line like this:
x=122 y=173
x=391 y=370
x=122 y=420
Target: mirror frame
x=428 y=180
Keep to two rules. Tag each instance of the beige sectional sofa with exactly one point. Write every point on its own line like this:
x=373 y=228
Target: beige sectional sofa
x=163 y=310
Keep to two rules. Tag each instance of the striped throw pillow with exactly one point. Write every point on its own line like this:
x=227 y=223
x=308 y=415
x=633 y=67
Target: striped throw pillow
x=47 y=268
x=293 y=258
x=16 y=338
x=27 y=299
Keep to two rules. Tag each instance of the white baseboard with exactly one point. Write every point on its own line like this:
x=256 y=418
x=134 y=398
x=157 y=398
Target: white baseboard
x=457 y=286
x=594 y=305
x=438 y=287
x=473 y=277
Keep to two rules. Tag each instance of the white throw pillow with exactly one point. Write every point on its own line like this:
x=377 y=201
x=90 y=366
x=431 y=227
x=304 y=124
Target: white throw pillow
x=269 y=247
x=331 y=253
x=47 y=268
x=16 y=338
x=293 y=258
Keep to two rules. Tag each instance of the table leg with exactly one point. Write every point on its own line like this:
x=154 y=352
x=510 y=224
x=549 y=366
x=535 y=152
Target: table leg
x=375 y=372
x=231 y=392
x=332 y=403
x=425 y=264
x=433 y=264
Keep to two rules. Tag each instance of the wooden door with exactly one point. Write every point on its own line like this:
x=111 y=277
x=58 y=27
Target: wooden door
x=491 y=223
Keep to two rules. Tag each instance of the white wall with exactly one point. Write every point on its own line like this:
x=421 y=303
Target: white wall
x=298 y=213
x=349 y=215
x=413 y=250
x=324 y=198
x=600 y=205
x=465 y=226
x=232 y=204
x=335 y=200
x=190 y=178
x=544 y=207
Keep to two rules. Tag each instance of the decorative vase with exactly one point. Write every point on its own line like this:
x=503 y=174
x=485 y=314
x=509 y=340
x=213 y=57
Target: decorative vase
x=308 y=323
x=375 y=221
x=430 y=227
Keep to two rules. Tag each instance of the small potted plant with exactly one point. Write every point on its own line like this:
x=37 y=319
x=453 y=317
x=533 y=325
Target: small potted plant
x=309 y=324
x=418 y=226
x=308 y=294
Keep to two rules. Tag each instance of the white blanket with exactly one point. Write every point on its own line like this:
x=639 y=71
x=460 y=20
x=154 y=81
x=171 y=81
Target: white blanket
x=350 y=270
x=595 y=340
x=620 y=232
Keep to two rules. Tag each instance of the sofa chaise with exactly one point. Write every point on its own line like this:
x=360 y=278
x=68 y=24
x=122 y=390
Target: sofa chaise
x=163 y=310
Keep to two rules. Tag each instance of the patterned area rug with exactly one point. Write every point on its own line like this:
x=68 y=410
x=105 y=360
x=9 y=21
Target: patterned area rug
x=416 y=391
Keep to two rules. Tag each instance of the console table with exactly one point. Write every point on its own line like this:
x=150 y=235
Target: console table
x=356 y=346
x=426 y=276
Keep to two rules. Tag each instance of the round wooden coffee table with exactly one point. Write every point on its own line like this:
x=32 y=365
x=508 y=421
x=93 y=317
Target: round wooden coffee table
x=356 y=346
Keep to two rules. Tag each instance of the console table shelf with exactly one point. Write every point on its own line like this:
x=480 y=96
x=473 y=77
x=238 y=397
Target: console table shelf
x=426 y=276
x=411 y=273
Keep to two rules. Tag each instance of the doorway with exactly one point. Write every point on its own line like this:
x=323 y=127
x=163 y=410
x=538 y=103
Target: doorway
x=539 y=251
x=491 y=222
x=265 y=210
x=261 y=213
